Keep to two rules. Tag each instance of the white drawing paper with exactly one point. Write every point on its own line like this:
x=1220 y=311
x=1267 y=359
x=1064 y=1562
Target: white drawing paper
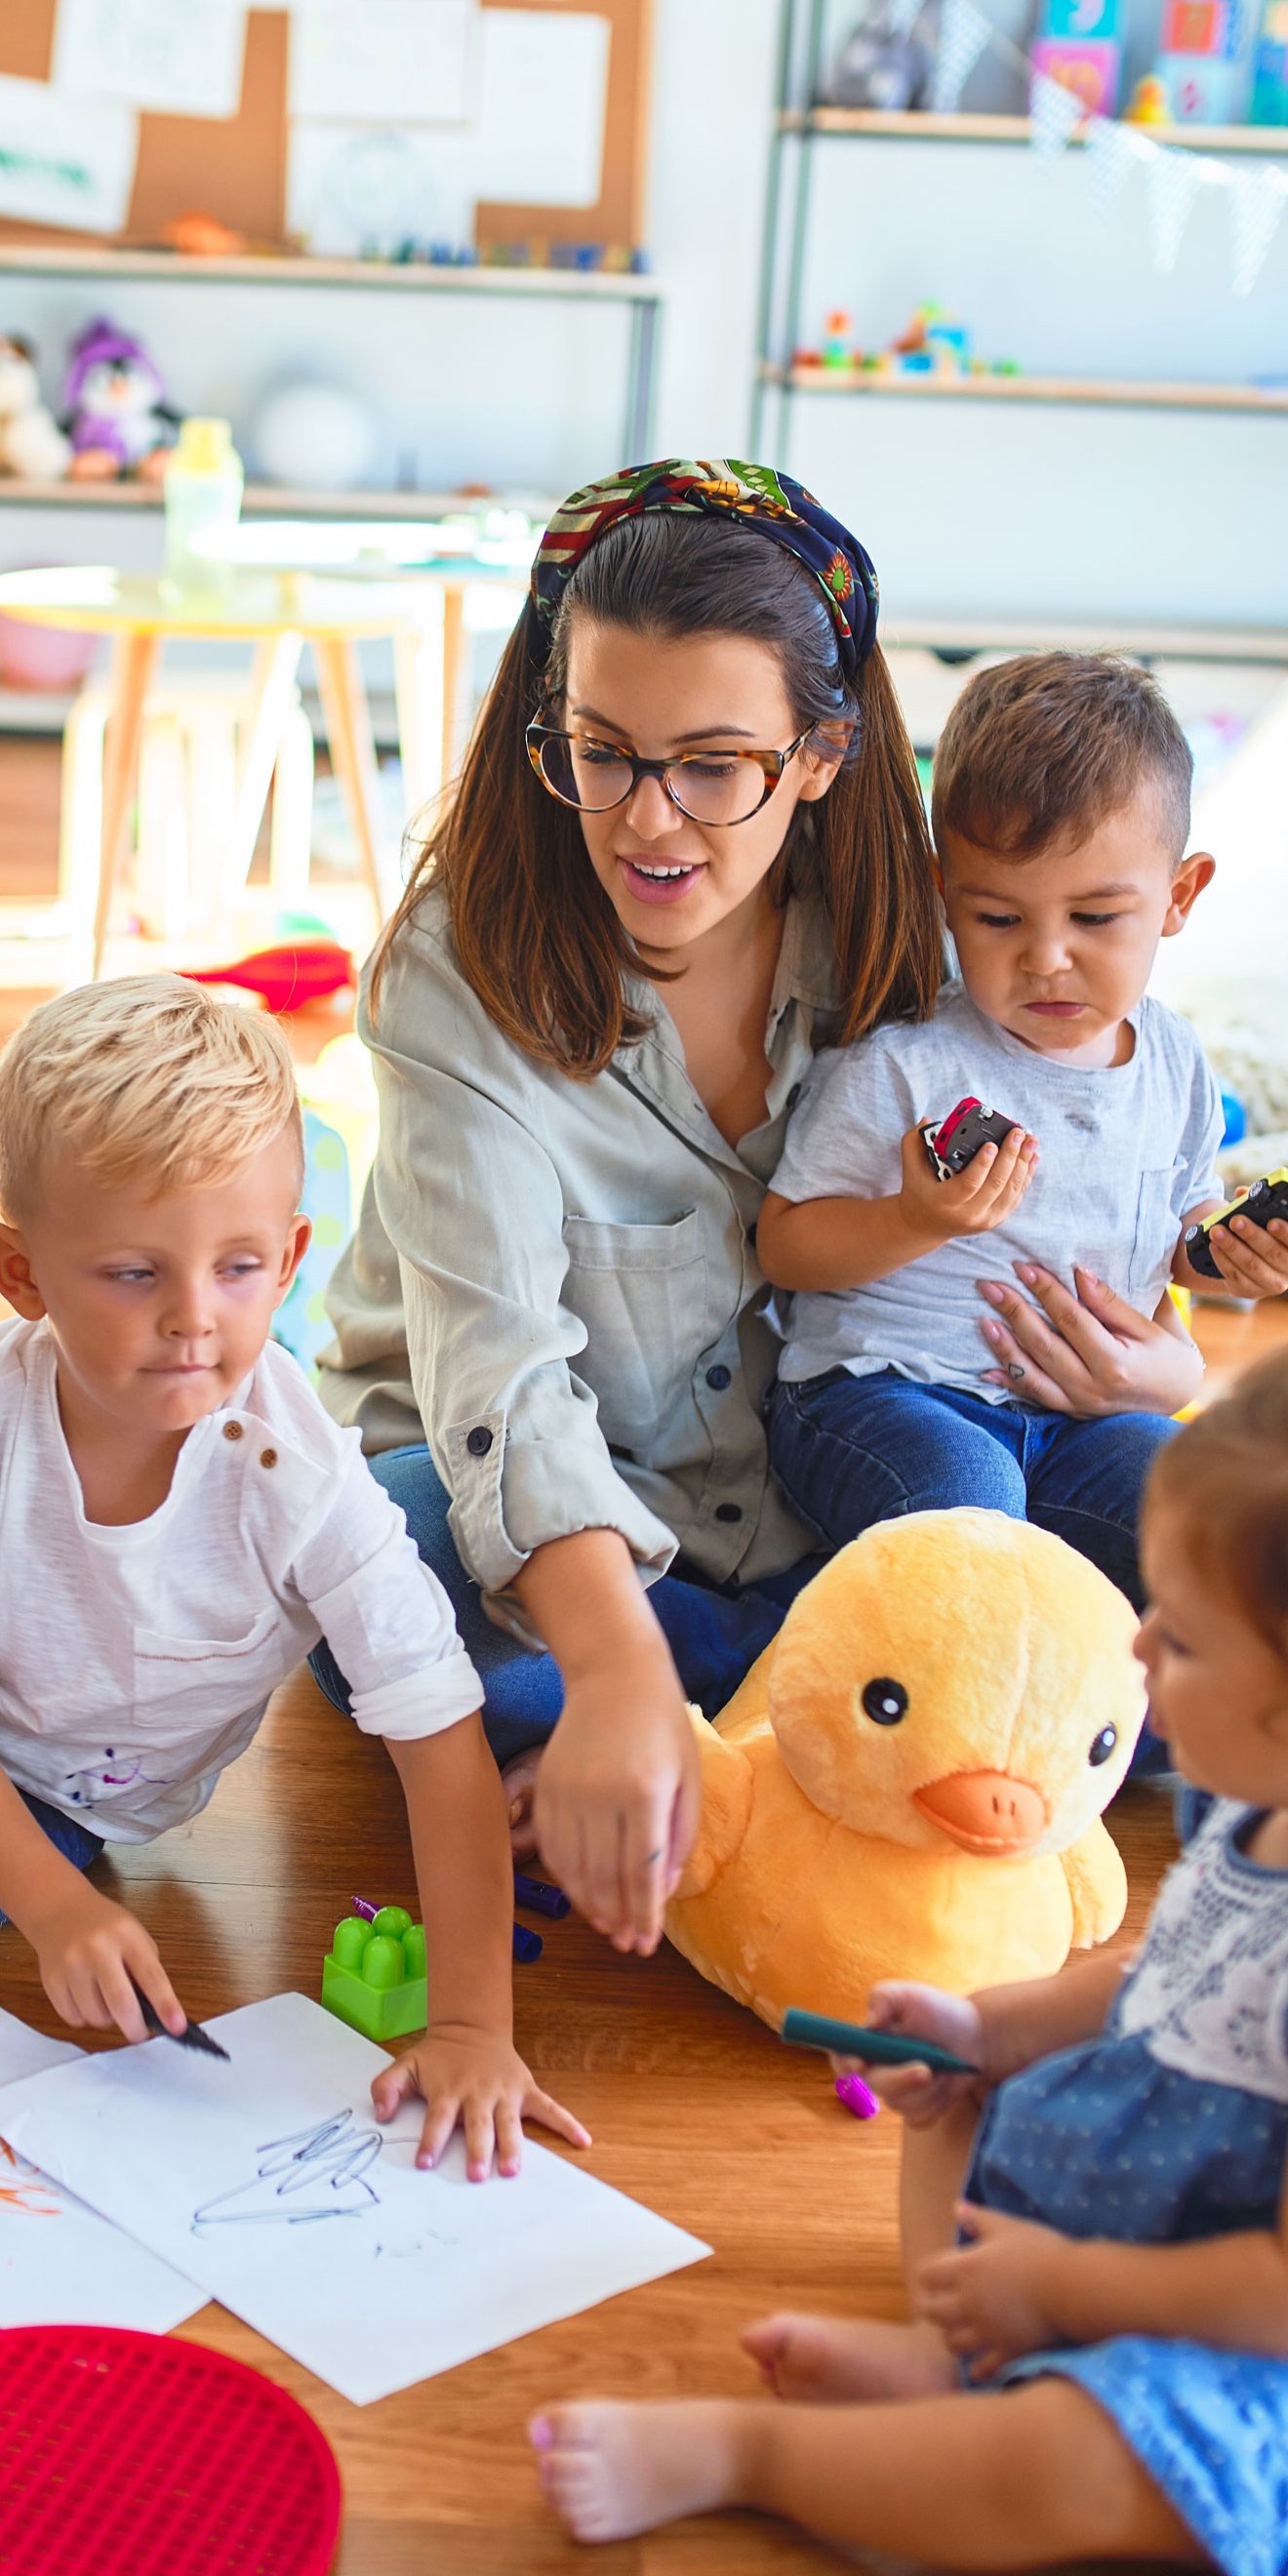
x=540 y=135
x=60 y=2263
x=170 y=55
x=269 y=2181
x=64 y=160
x=407 y=61
x=364 y=190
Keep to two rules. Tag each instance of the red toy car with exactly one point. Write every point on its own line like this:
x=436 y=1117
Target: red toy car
x=957 y=1139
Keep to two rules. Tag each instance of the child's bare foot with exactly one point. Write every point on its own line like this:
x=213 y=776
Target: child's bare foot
x=519 y=1781
x=834 y=2360
x=613 y=2470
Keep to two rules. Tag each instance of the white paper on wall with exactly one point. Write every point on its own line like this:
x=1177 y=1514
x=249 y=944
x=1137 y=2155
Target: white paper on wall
x=64 y=160
x=364 y=190
x=270 y=2182
x=60 y=2263
x=540 y=138
x=410 y=61
x=170 y=55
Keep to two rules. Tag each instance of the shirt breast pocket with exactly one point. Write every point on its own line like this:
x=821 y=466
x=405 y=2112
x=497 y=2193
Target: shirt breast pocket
x=1157 y=1232
x=201 y=1682
x=640 y=1291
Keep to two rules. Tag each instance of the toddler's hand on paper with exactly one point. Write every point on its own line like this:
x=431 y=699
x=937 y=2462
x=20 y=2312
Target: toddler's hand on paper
x=88 y=1949
x=477 y=2079
x=973 y=1201
x=996 y=2296
x=917 y=2093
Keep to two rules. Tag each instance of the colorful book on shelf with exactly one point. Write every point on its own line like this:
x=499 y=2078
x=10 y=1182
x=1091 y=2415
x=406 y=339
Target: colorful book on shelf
x=1270 y=66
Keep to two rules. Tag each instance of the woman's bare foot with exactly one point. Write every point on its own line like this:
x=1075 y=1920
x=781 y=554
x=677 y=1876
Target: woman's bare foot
x=834 y=2360
x=519 y=1781
x=613 y=2470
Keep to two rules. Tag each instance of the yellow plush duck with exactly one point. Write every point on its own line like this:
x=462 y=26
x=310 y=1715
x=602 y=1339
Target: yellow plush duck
x=910 y=1781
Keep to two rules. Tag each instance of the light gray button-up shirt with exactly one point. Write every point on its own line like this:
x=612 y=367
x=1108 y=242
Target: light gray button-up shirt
x=558 y=1278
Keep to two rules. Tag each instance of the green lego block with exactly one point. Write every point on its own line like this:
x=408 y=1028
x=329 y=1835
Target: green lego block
x=373 y=1975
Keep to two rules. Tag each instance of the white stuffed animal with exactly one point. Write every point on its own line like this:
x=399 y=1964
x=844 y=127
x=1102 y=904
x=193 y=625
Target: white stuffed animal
x=31 y=443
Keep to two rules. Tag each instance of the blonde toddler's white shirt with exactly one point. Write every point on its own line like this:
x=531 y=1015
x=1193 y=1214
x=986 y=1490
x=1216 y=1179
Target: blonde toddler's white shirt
x=136 y=1663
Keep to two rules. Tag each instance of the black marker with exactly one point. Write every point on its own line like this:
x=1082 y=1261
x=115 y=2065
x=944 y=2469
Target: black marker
x=192 y=2036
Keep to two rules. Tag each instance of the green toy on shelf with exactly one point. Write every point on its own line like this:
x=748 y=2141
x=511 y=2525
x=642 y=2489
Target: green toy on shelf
x=373 y=1975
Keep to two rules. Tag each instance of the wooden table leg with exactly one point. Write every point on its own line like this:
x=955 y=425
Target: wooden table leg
x=453 y=671
x=272 y=685
x=353 y=758
x=134 y=661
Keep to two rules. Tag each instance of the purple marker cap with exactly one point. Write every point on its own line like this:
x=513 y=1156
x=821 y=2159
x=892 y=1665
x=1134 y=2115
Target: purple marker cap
x=857 y=2096
x=360 y=1906
x=540 y=1897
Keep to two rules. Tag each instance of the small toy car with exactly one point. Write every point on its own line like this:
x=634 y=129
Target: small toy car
x=1267 y=1198
x=957 y=1139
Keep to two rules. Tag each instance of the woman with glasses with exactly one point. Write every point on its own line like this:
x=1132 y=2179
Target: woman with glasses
x=687 y=845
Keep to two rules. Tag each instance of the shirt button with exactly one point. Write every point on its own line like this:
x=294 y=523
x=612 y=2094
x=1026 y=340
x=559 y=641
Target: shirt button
x=719 y=1377
x=268 y=1457
x=232 y=1431
x=479 y=1440
x=728 y=1511
x=751 y=1238
x=793 y=1095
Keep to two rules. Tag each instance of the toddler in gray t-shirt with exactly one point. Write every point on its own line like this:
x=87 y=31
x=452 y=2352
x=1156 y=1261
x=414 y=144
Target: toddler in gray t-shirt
x=1036 y=1374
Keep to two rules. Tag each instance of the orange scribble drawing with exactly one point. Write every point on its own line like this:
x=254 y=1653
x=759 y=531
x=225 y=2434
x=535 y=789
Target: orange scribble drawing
x=35 y=2197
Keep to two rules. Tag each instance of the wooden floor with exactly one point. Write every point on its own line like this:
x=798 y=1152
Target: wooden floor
x=694 y=2107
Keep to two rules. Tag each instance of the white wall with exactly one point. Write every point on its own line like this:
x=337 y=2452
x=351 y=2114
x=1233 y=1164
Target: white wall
x=982 y=508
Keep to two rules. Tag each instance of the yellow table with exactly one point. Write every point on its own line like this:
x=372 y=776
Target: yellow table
x=278 y=613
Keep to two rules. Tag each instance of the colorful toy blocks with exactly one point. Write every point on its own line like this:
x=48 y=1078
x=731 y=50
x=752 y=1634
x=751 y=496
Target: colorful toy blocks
x=373 y=1975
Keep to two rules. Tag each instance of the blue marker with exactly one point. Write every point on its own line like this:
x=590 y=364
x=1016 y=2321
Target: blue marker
x=527 y=1945
x=540 y=1898
x=875 y=2047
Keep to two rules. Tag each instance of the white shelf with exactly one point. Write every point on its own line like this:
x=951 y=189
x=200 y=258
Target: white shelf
x=410 y=277
x=1110 y=392
x=266 y=500
x=924 y=126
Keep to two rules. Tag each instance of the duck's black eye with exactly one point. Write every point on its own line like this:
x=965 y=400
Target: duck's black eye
x=1103 y=1745
x=885 y=1701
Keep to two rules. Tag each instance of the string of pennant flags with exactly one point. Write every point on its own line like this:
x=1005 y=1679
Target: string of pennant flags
x=1175 y=178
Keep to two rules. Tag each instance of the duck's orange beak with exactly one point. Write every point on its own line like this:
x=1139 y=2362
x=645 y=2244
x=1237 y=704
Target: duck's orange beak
x=985 y=1811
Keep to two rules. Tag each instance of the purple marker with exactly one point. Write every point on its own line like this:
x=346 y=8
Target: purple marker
x=857 y=2096
x=540 y=1897
x=360 y=1906
x=527 y=1945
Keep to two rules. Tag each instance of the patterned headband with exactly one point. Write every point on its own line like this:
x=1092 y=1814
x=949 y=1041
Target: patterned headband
x=749 y=496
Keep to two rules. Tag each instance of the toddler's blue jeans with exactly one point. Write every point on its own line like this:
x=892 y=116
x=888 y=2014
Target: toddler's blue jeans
x=714 y=1635
x=849 y=1451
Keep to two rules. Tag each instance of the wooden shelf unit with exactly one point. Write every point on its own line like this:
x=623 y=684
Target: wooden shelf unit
x=404 y=277
x=259 y=501
x=1113 y=393
x=922 y=125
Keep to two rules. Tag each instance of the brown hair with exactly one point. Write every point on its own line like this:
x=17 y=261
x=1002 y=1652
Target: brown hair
x=535 y=934
x=1227 y=1472
x=1053 y=744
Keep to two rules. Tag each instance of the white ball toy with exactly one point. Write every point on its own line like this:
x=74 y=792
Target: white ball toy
x=314 y=436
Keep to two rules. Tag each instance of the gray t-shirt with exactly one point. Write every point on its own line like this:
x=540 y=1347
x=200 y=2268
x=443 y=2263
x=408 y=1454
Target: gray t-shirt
x=1125 y=1152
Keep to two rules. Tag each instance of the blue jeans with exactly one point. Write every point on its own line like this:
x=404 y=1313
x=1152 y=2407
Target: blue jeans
x=849 y=1451
x=67 y=1834
x=714 y=1634
x=853 y=1450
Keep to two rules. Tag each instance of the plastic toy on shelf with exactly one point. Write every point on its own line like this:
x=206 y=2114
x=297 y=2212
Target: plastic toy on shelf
x=934 y=345
x=1270 y=66
x=878 y=65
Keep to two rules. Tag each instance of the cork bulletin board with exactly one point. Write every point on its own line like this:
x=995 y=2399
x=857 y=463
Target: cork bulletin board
x=235 y=168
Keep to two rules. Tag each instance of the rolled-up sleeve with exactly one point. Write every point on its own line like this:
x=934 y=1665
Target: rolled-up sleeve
x=385 y=1616
x=472 y=1203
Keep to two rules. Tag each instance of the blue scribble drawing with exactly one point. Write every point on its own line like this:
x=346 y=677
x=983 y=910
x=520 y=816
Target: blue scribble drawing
x=315 y=2173
x=115 y=1771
